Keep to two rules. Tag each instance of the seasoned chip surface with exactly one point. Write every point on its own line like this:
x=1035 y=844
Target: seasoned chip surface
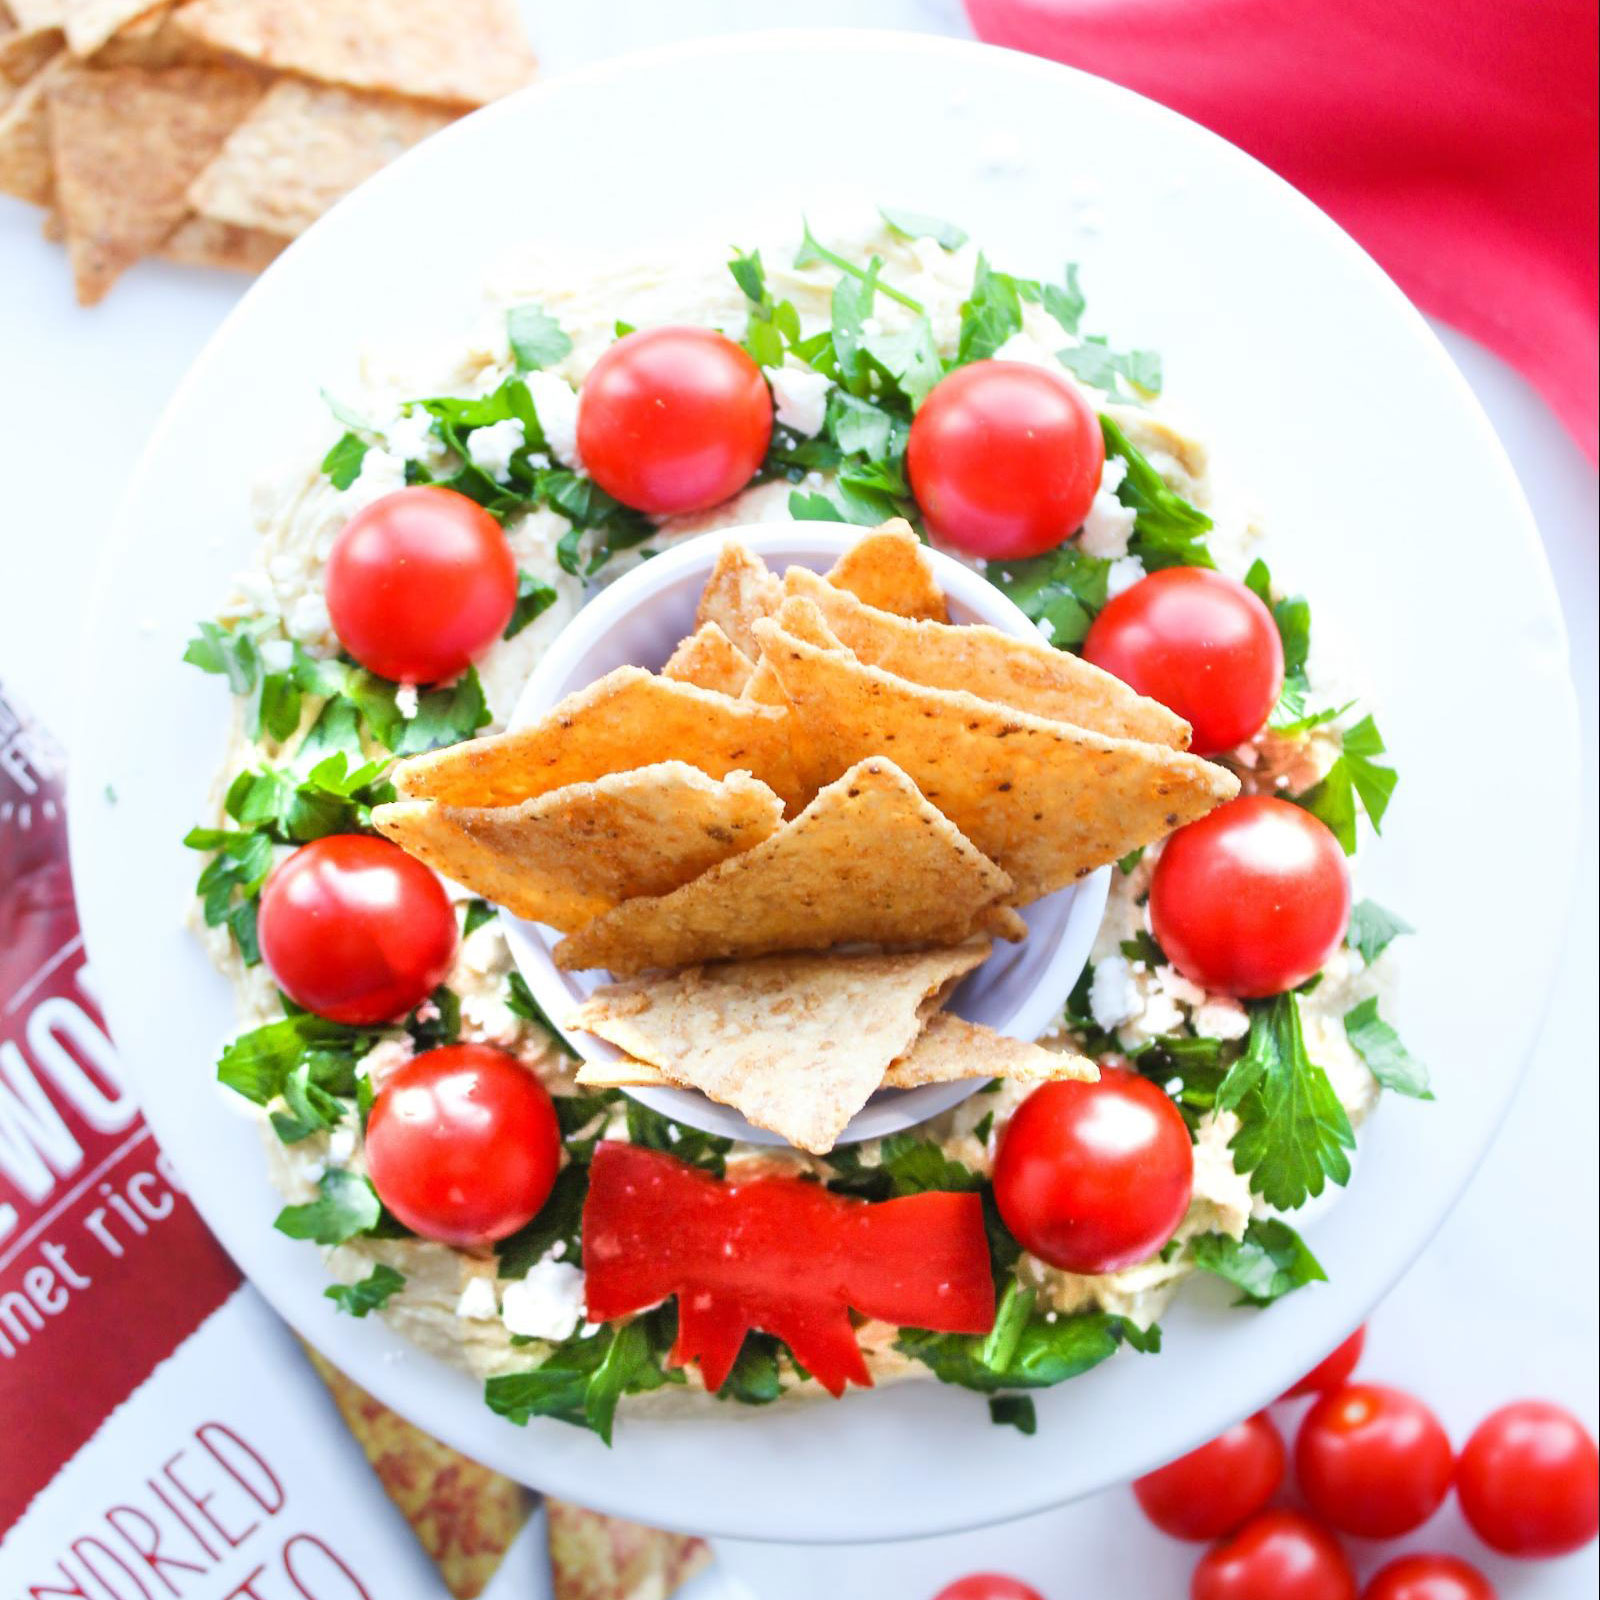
x=739 y=592
x=890 y=569
x=709 y=659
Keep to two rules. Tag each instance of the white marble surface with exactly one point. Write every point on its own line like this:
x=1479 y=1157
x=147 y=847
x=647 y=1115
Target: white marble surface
x=1502 y=1304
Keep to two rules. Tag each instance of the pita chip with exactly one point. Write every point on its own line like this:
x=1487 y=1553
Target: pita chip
x=951 y=1049
x=1047 y=801
x=869 y=861
x=709 y=659
x=303 y=147
x=27 y=169
x=127 y=145
x=31 y=15
x=1026 y=674
x=463 y=52
x=90 y=23
x=796 y=1044
x=890 y=569
x=202 y=242
x=23 y=51
x=629 y=718
x=573 y=853
x=739 y=592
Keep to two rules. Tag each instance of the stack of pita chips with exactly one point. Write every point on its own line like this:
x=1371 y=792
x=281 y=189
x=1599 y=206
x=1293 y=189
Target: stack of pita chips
x=794 y=841
x=211 y=132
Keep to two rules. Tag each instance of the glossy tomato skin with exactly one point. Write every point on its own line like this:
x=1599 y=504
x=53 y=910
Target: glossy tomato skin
x=1277 y=1555
x=1219 y=1487
x=1529 y=1481
x=356 y=930
x=1333 y=1371
x=1200 y=643
x=1004 y=459
x=1373 y=1461
x=1429 y=1577
x=988 y=1586
x=674 y=419
x=463 y=1145
x=1252 y=899
x=420 y=584
x=1093 y=1177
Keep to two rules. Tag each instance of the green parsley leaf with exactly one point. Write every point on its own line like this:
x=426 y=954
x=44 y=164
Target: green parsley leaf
x=372 y=1293
x=916 y=1166
x=990 y=314
x=813 y=506
x=772 y=323
x=346 y=1205
x=1015 y=1411
x=1268 y=1263
x=1167 y=530
x=917 y=225
x=478 y=913
x=1355 y=777
x=811 y=251
x=233 y=653
x=520 y=1003
x=559 y=1221
x=756 y=1378
x=342 y=463
x=534 y=598
x=1062 y=591
x=656 y=1132
x=602 y=527
x=1064 y=301
x=1385 y=1055
x=860 y=428
x=1373 y=929
x=1126 y=864
x=1094 y=362
x=1294 y=1133
x=258 y=1064
x=536 y=338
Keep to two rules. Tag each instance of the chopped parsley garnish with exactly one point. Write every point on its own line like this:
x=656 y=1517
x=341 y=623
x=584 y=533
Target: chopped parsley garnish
x=534 y=598
x=1386 y=1056
x=1014 y=1411
x=1373 y=929
x=372 y=1293
x=1167 y=530
x=917 y=225
x=520 y=1003
x=346 y=1205
x=1097 y=364
x=1357 y=777
x=1270 y=1261
x=536 y=338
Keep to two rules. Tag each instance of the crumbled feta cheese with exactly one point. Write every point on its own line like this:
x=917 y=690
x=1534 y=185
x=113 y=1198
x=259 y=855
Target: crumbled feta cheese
x=1124 y=572
x=411 y=437
x=1046 y=627
x=491 y=1018
x=277 y=655
x=381 y=473
x=1160 y=1015
x=801 y=398
x=1107 y=527
x=384 y=1057
x=1221 y=1018
x=1113 y=996
x=492 y=448
x=1179 y=987
x=481 y=950
x=547 y=1304
x=477 y=1302
x=341 y=1144
x=555 y=403
x=1024 y=347
x=407 y=700
x=307 y=618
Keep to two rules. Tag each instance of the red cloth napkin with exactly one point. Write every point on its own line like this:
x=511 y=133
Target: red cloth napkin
x=1456 y=139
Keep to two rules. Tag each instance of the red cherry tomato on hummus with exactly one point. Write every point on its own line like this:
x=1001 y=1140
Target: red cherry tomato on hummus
x=1252 y=899
x=1200 y=643
x=1428 y=1577
x=1529 y=1481
x=462 y=1144
x=1092 y=1177
x=1277 y=1555
x=1332 y=1371
x=674 y=419
x=356 y=930
x=988 y=1586
x=1004 y=459
x=1217 y=1488
x=1373 y=1461
x=420 y=584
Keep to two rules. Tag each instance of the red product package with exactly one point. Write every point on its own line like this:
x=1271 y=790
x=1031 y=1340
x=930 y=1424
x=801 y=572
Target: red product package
x=86 y=1197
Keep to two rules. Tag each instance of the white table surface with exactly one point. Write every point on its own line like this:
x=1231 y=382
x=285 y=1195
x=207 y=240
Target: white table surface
x=1503 y=1304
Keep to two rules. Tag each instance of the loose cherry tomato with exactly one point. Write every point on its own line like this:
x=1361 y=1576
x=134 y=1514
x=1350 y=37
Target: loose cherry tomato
x=1428 y=1577
x=1215 y=1489
x=1333 y=1371
x=462 y=1144
x=356 y=930
x=1373 y=1461
x=1252 y=899
x=988 y=1586
x=1277 y=1555
x=1529 y=1481
x=674 y=419
x=1202 y=645
x=1092 y=1177
x=420 y=584
x=1004 y=459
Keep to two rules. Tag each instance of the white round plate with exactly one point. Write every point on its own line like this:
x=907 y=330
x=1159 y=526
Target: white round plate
x=1020 y=990
x=1318 y=387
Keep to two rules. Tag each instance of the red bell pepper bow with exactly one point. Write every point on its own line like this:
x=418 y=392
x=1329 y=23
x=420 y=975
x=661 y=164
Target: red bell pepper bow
x=779 y=1254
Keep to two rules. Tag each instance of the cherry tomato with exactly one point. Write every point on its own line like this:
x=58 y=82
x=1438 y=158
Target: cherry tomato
x=1428 y=1577
x=420 y=584
x=1215 y=1489
x=1252 y=899
x=988 y=1586
x=1092 y=1177
x=1004 y=459
x=1333 y=1371
x=1202 y=645
x=1373 y=1461
x=462 y=1144
x=1529 y=1481
x=674 y=419
x=356 y=930
x=1277 y=1555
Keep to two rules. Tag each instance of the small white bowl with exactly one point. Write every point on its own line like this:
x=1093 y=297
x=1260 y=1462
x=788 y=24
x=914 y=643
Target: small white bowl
x=1020 y=990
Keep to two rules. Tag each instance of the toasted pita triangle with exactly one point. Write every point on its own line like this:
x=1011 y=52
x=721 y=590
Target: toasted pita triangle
x=1050 y=802
x=629 y=718
x=890 y=569
x=1025 y=674
x=739 y=591
x=573 y=853
x=797 y=1044
x=869 y=861
x=709 y=659
x=26 y=168
x=90 y=23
